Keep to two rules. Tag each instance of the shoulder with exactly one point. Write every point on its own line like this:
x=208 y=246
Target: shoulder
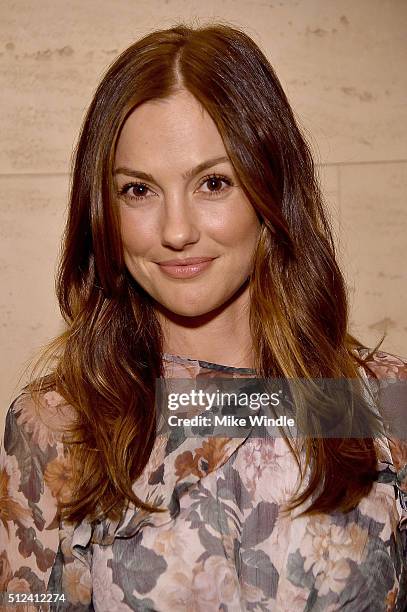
x=33 y=444
x=33 y=439
x=390 y=372
x=383 y=364
x=40 y=418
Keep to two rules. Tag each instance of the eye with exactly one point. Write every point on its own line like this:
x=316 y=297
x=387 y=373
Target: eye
x=215 y=184
x=135 y=191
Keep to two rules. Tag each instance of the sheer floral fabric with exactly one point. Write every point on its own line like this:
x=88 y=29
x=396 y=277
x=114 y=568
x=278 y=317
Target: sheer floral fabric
x=222 y=543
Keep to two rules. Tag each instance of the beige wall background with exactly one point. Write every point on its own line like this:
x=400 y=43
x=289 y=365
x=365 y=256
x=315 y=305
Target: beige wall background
x=343 y=66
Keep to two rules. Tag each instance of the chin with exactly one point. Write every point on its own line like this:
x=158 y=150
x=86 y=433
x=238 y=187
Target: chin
x=183 y=309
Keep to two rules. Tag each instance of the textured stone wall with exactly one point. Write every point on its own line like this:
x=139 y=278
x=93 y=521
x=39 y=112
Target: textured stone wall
x=342 y=64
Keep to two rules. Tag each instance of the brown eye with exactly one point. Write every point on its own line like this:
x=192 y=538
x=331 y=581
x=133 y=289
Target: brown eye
x=135 y=191
x=214 y=183
x=139 y=189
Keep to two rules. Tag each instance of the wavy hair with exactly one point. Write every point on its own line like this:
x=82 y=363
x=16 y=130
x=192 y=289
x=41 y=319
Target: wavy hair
x=109 y=357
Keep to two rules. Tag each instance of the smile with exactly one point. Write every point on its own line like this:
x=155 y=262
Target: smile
x=184 y=270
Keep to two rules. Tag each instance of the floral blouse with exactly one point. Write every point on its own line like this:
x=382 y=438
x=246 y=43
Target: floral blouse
x=222 y=544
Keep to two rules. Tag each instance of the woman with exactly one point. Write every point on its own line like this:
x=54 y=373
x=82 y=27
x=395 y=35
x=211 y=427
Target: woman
x=196 y=247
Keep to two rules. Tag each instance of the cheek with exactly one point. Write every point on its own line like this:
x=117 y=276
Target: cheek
x=137 y=232
x=236 y=227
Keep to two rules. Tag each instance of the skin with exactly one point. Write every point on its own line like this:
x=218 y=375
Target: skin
x=183 y=213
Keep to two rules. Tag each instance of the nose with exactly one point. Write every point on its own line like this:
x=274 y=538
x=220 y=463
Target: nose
x=179 y=224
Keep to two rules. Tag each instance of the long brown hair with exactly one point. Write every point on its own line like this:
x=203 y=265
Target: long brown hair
x=108 y=359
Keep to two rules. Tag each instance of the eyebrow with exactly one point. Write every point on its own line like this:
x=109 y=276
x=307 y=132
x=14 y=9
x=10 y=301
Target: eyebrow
x=209 y=163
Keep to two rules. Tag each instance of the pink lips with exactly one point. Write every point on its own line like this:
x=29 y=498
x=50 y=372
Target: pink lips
x=185 y=268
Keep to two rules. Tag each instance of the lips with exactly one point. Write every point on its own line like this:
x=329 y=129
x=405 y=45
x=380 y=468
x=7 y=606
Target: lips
x=185 y=268
x=185 y=262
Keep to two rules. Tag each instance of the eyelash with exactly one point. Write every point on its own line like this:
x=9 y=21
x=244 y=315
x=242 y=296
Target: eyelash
x=123 y=191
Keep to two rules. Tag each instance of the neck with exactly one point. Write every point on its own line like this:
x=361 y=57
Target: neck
x=220 y=336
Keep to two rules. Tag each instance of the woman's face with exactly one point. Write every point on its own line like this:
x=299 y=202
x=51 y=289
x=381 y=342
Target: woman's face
x=179 y=198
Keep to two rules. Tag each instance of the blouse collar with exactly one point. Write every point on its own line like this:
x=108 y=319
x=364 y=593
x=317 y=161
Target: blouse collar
x=205 y=365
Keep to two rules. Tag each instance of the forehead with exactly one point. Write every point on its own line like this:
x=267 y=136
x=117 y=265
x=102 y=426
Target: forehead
x=171 y=132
